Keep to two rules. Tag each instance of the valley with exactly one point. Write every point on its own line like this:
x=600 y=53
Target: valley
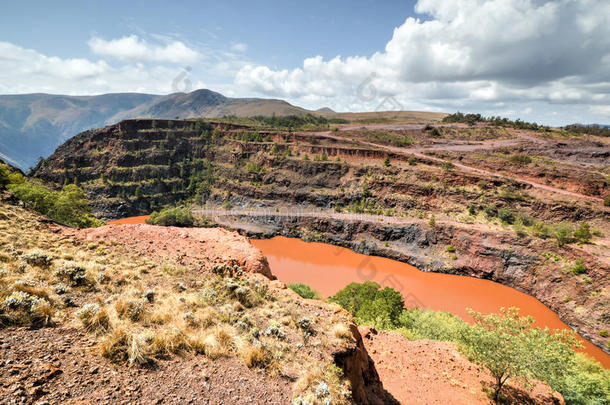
x=510 y=207
x=471 y=200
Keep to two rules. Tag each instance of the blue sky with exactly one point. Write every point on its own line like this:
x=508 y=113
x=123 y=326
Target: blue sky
x=278 y=33
x=541 y=60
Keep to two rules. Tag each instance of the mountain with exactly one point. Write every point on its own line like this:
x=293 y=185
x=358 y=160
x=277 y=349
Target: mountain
x=33 y=125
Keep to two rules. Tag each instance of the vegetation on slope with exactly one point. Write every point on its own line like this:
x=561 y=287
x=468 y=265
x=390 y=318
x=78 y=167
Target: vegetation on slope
x=68 y=206
x=472 y=119
x=141 y=309
x=304 y=290
x=506 y=343
x=289 y=122
x=172 y=216
x=580 y=129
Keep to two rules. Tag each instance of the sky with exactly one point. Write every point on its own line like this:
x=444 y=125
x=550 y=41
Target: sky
x=546 y=61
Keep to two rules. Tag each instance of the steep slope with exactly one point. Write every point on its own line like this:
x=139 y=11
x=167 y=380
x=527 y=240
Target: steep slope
x=33 y=125
x=111 y=320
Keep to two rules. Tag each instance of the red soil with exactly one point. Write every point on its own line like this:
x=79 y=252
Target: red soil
x=189 y=246
x=430 y=372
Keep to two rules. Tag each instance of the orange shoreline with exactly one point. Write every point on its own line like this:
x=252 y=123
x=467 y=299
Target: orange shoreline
x=129 y=220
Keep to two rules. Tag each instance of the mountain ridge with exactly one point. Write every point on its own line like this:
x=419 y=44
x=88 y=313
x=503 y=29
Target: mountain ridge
x=33 y=125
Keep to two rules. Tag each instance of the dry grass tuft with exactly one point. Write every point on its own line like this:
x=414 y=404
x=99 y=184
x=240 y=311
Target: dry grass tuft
x=169 y=341
x=39 y=292
x=94 y=318
x=219 y=341
x=342 y=331
x=255 y=356
x=131 y=309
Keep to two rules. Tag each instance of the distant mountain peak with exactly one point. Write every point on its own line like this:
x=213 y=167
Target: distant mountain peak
x=33 y=125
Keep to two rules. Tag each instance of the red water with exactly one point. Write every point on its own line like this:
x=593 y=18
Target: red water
x=328 y=269
x=129 y=220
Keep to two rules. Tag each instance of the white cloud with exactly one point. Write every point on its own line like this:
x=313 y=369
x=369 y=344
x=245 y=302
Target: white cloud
x=37 y=64
x=239 y=47
x=132 y=48
x=28 y=71
x=601 y=110
x=467 y=53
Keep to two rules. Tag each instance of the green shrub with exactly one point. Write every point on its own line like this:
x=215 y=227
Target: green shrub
x=585 y=382
x=583 y=233
x=383 y=311
x=520 y=159
x=607 y=200
x=448 y=166
x=4 y=175
x=68 y=206
x=172 y=216
x=541 y=230
x=563 y=233
x=578 y=267
x=506 y=216
x=354 y=295
x=435 y=325
x=371 y=305
x=303 y=290
x=450 y=249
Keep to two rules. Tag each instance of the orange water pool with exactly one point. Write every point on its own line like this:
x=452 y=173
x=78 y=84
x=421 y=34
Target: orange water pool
x=328 y=269
x=129 y=220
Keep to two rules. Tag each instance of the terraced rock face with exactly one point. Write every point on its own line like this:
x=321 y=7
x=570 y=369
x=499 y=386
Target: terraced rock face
x=491 y=192
x=135 y=166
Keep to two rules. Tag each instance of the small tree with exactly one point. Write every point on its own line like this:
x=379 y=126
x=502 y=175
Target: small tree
x=510 y=347
x=354 y=295
x=386 y=162
x=4 y=175
x=384 y=310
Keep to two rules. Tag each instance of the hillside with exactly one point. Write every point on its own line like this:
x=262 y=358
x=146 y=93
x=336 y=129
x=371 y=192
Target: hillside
x=33 y=125
x=507 y=202
x=124 y=316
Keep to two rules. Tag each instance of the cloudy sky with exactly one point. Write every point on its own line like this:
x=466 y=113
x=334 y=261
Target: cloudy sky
x=544 y=61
